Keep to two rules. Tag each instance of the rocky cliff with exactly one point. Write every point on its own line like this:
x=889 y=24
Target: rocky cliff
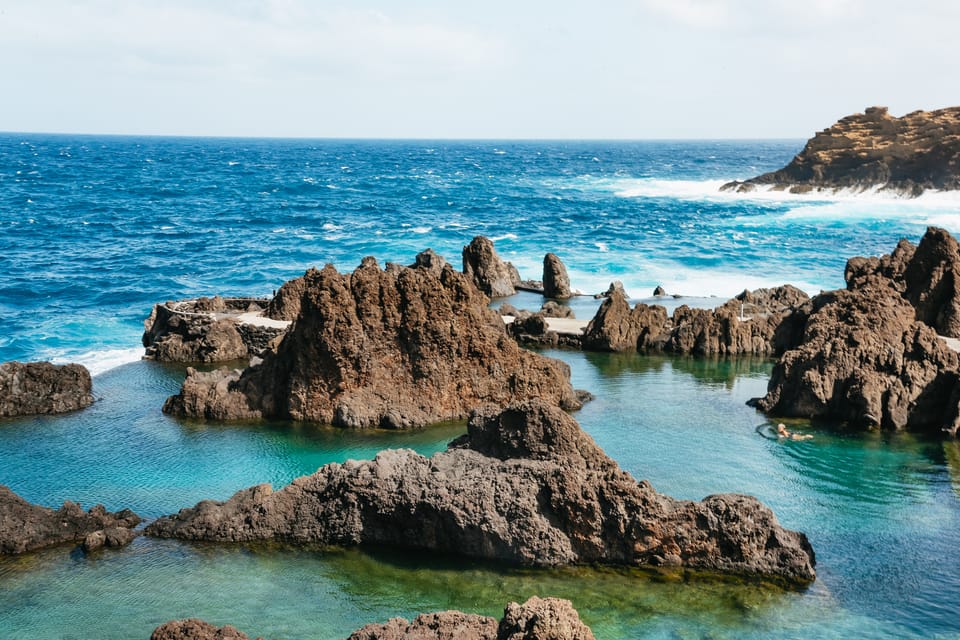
x=28 y=388
x=26 y=527
x=526 y=486
x=872 y=355
x=396 y=347
x=492 y=275
x=874 y=150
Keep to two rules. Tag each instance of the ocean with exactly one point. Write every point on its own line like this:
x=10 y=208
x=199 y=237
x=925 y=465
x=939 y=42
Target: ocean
x=95 y=230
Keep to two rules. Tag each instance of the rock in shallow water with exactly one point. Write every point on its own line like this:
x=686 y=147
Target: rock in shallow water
x=26 y=527
x=487 y=271
x=527 y=486
x=30 y=388
x=395 y=348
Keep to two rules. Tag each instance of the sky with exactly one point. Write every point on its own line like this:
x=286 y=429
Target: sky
x=618 y=69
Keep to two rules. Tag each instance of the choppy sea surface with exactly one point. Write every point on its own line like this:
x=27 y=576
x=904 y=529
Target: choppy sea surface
x=94 y=230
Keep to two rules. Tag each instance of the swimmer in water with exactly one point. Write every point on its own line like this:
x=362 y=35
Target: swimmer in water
x=783 y=433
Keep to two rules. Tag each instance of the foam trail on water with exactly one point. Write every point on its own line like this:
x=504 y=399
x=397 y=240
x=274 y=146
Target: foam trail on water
x=98 y=362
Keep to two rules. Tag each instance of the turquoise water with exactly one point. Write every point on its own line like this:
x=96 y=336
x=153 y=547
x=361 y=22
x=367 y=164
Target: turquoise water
x=93 y=231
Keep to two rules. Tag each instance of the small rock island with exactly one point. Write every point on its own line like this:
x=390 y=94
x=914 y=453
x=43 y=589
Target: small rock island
x=874 y=150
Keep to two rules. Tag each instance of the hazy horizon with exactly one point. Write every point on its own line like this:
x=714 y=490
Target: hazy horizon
x=427 y=70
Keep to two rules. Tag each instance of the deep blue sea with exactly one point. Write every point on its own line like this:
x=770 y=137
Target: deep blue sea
x=95 y=230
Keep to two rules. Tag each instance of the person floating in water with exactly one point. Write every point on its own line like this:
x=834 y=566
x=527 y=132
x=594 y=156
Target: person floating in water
x=782 y=432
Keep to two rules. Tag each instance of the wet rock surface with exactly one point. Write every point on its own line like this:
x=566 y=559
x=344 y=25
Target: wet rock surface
x=492 y=275
x=536 y=619
x=27 y=527
x=870 y=355
x=396 y=348
x=909 y=155
x=526 y=486
x=195 y=629
x=30 y=388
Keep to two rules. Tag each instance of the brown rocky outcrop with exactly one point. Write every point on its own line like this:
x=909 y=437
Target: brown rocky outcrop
x=487 y=271
x=194 y=629
x=29 y=388
x=526 y=486
x=536 y=619
x=754 y=322
x=207 y=330
x=870 y=355
x=911 y=154
x=26 y=527
x=394 y=348
x=556 y=282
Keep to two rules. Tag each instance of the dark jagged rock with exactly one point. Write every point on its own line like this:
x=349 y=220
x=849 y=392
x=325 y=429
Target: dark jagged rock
x=536 y=619
x=207 y=330
x=111 y=538
x=285 y=304
x=870 y=355
x=29 y=388
x=487 y=271
x=553 y=309
x=617 y=327
x=615 y=286
x=909 y=155
x=527 y=486
x=659 y=292
x=755 y=323
x=395 y=348
x=194 y=629
x=27 y=527
x=556 y=282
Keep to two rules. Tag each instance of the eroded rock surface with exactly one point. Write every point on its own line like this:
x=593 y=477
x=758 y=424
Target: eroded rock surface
x=536 y=619
x=195 y=629
x=556 y=282
x=27 y=527
x=617 y=327
x=395 y=348
x=911 y=154
x=29 y=388
x=527 y=486
x=870 y=355
x=492 y=275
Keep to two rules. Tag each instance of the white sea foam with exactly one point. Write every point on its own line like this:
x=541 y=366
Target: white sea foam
x=506 y=236
x=329 y=226
x=98 y=362
x=422 y=230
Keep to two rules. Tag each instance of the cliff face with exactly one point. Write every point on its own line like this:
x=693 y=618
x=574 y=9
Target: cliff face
x=526 y=486
x=911 y=154
x=395 y=348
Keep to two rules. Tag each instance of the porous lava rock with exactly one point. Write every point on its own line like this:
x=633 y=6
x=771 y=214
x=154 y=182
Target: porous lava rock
x=492 y=275
x=195 y=629
x=526 y=486
x=556 y=282
x=395 y=348
x=870 y=355
x=27 y=527
x=29 y=388
x=553 y=309
x=874 y=150
x=110 y=538
x=536 y=619
x=206 y=330
x=617 y=327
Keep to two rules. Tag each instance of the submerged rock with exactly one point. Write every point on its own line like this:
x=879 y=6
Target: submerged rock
x=526 y=486
x=27 y=527
x=556 y=282
x=487 y=271
x=394 y=348
x=874 y=150
x=536 y=619
x=29 y=388
x=870 y=355
x=110 y=538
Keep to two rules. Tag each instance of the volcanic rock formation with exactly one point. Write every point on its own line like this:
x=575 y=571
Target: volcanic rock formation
x=194 y=629
x=872 y=150
x=527 y=486
x=211 y=329
x=556 y=282
x=487 y=271
x=26 y=527
x=536 y=619
x=870 y=355
x=395 y=348
x=40 y=387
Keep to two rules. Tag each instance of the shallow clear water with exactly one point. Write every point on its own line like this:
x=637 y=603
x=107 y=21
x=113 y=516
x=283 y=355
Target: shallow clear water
x=93 y=231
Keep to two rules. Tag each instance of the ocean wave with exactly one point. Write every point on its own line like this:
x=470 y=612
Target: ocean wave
x=506 y=236
x=98 y=362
